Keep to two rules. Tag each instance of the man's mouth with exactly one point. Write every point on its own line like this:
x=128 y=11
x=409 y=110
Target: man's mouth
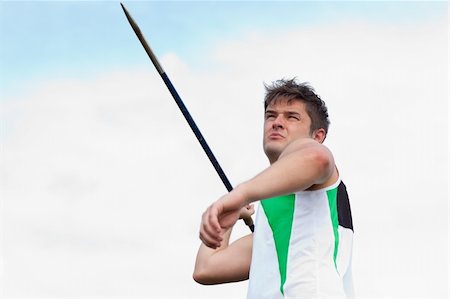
x=275 y=135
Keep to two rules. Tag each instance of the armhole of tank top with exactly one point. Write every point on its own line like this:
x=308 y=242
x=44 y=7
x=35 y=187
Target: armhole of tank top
x=330 y=187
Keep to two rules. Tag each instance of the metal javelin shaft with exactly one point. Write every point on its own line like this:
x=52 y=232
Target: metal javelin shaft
x=182 y=107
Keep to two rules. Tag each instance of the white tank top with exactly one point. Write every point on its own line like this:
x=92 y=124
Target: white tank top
x=302 y=246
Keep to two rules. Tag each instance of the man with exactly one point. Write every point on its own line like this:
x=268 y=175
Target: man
x=302 y=245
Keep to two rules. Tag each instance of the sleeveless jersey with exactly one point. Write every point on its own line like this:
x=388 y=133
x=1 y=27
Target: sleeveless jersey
x=302 y=246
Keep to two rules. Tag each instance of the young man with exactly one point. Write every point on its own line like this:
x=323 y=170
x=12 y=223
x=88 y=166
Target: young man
x=302 y=245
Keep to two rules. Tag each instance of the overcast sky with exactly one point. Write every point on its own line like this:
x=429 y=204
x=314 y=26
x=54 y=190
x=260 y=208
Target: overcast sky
x=102 y=183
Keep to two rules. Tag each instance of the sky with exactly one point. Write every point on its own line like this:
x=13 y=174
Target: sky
x=102 y=183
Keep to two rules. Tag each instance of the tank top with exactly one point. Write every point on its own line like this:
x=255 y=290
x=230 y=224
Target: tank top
x=302 y=246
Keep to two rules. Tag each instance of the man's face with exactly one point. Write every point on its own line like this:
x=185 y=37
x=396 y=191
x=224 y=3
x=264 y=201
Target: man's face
x=284 y=122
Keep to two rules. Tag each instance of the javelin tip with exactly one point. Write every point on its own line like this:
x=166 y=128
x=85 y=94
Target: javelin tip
x=141 y=38
x=124 y=9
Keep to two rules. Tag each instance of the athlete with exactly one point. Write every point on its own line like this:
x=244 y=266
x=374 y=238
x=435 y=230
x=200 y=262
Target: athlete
x=302 y=244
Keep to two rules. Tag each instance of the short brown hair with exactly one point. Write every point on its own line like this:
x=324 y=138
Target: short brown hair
x=291 y=90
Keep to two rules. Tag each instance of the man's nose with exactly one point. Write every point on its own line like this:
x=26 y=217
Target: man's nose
x=278 y=122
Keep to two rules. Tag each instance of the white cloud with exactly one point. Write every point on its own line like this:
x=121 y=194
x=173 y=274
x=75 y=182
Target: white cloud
x=103 y=183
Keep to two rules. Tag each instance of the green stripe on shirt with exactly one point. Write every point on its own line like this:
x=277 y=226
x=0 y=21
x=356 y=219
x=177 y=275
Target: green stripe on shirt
x=332 y=203
x=280 y=213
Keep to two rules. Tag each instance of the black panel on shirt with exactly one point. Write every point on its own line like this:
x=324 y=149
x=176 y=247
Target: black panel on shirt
x=343 y=206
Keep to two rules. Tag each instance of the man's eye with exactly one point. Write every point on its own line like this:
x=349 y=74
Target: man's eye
x=270 y=116
x=294 y=117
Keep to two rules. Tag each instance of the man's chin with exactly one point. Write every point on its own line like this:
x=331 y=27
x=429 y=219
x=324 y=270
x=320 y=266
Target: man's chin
x=273 y=151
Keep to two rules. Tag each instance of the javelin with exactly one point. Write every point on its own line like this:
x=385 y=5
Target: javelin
x=186 y=114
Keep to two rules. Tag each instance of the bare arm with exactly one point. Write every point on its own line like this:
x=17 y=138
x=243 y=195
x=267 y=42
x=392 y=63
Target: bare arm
x=301 y=165
x=304 y=163
x=227 y=263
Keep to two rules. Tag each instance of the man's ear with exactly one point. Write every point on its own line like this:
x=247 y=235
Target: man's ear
x=319 y=135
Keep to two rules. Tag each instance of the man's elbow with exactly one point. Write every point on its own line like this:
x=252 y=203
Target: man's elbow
x=324 y=164
x=202 y=277
x=199 y=277
x=324 y=161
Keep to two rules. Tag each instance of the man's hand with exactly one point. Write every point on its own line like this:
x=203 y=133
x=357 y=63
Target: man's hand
x=220 y=216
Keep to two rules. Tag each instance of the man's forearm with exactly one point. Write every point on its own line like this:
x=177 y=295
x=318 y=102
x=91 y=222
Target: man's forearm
x=295 y=171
